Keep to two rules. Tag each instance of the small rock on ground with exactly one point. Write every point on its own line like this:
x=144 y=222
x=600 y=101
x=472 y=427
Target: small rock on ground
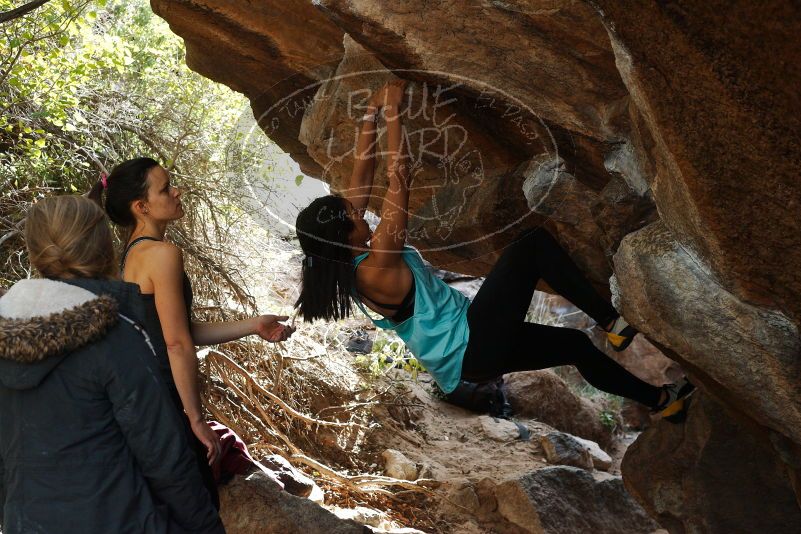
x=499 y=429
x=565 y=449
x=396 y=465
x=294 y=480
x=600 y=460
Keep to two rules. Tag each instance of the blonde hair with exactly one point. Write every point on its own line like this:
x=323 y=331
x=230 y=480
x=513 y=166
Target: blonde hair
x=68 y=237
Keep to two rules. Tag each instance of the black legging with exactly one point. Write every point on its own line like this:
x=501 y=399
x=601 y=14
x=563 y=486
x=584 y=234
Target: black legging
x=502 y=342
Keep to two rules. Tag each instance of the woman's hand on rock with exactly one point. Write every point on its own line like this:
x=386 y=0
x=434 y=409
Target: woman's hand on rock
x=394 y=92
x=390 y=94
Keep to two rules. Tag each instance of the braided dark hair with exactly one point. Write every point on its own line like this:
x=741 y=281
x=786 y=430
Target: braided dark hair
x=327 y=278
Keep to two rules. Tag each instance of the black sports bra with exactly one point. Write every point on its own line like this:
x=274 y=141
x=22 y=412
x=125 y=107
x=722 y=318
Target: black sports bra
x=404 y=310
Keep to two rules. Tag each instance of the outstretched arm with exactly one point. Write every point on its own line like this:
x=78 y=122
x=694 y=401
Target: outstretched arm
x=266 y=326
x=390 y=235
x=360 y=185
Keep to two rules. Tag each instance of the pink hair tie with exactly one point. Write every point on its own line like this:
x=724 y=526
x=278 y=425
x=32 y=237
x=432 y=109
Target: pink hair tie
x=104 y=180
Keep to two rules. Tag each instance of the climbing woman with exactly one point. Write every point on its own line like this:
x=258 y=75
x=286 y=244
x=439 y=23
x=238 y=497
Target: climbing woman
x=140 y=197
x=453 y=338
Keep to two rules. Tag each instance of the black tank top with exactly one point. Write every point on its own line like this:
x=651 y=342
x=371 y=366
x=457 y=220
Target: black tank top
x=153 y=328
x=153 y=324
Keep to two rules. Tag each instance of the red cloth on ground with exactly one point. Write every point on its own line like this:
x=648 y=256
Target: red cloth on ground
x=234 y=456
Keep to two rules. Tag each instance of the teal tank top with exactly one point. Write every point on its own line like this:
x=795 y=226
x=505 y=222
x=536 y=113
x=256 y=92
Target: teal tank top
x=437 y=332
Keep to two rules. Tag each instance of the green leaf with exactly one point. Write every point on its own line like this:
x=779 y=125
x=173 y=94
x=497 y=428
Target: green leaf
x=41 y=143
x=73 y=188
x=298 y=179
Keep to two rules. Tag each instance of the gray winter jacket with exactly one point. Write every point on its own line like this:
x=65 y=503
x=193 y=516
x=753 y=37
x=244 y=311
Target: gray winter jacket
x=89 y=440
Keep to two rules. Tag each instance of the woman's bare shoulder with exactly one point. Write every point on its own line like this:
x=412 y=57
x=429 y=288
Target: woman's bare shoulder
x=156 y=256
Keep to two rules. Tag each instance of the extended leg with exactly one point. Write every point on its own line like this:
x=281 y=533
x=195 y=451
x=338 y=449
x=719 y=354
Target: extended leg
x=534 y=346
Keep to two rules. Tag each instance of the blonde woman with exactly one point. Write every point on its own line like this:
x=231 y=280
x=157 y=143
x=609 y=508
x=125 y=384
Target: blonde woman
x=89 y=440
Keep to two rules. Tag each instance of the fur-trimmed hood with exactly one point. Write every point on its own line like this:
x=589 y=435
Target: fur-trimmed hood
x=42 y=321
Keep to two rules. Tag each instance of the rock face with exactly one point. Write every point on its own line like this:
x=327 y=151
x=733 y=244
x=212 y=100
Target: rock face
x=451 y=160
x=747 y=355
x=660 y=142
x=713 y=99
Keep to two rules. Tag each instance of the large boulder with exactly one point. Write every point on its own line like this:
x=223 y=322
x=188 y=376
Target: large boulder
x=257 y=505
x=567 y=500
x=665 y=132
x=496 y=123
x=746 y=354
x=713 y=87
x=543 y=396
x=552 y=500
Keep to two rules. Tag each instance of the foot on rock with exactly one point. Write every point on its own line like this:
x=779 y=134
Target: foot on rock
x=677 y=400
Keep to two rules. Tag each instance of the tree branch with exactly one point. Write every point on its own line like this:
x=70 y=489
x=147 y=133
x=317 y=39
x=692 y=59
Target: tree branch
x=21 y=11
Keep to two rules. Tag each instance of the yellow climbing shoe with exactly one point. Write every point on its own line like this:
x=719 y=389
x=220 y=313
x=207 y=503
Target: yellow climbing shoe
x=620 y=334
x=673 y=409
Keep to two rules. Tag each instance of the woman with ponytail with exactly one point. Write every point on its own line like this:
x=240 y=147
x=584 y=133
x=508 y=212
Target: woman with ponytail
x=140 y=198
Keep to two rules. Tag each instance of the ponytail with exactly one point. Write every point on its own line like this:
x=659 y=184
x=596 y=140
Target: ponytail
x=68 y=236
x=96 y=193
x=126 y=184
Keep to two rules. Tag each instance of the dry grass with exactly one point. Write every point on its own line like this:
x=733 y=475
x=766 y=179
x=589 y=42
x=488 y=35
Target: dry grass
x=241 y=391
x=301 y=399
